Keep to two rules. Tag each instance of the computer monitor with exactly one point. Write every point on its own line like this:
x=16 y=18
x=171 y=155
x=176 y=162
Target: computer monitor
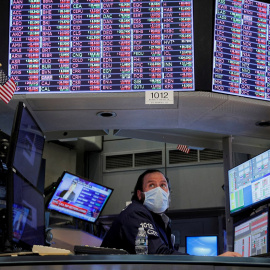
x=202 y=245
x=249 y=183
x=25 y=214
x=26 y=145
x=251 y=235
x=79 y=197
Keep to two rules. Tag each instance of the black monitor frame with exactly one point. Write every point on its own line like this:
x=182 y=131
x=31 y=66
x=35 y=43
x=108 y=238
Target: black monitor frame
x=34 y=201
x=22 y=113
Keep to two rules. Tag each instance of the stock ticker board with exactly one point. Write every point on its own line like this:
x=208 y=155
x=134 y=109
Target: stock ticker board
x=241 y=49
x=101 y=45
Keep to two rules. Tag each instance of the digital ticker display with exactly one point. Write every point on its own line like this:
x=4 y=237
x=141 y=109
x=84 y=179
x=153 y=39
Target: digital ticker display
x=241 y=48
x=101 y=45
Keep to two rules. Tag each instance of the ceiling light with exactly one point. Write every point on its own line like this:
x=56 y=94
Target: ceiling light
x=106 y=114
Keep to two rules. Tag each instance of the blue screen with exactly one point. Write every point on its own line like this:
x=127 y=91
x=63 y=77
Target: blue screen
x=28 y=222
x=202 y=245
x=78 y=197
x=29 y=145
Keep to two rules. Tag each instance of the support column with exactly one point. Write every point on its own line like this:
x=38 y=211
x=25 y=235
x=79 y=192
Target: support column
x=228 y=164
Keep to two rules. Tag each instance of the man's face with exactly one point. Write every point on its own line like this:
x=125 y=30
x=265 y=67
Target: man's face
x=151 y=181
x=72 y=186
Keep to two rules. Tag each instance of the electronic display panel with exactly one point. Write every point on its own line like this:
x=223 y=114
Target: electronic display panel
x=241 y=56
x=26 y=145
x=79 y=197
x=249 y=183
x=251 y=235
x=25 y=214
x=101 y=45
x=202 y=245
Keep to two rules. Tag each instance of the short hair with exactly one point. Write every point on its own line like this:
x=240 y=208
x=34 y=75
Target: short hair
x=139 y=184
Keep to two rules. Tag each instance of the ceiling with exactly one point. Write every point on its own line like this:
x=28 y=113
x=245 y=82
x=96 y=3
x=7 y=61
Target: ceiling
x=198 y=119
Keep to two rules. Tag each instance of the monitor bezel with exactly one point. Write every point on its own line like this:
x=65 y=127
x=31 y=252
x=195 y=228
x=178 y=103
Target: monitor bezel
x=16 y=128
x=12 y=245
x=250 y=217
x=56 y=186
x=202 y=235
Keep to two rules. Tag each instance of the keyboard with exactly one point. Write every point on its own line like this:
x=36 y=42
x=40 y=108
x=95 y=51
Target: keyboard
x=97 y=250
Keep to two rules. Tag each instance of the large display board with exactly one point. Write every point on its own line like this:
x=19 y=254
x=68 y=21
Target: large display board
x=101 y=45
x=241 y=55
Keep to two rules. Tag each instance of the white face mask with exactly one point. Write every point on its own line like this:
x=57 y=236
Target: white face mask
x=156 y=200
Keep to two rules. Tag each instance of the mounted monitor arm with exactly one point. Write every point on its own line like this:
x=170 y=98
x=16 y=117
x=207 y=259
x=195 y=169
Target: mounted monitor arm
x=49 y=189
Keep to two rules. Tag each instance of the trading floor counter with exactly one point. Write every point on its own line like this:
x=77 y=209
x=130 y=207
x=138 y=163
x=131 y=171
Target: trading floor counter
x=130 y=262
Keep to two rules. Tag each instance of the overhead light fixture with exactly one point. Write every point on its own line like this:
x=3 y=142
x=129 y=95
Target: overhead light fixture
x=263 y=123
x=106 y=114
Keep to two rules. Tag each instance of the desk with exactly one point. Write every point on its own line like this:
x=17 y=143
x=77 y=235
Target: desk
x=131 y=262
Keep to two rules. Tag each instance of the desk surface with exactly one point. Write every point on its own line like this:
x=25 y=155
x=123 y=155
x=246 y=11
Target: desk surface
x=131 y=262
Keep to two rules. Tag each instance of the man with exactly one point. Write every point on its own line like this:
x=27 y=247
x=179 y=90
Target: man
x=70 y=194
x=149 y=202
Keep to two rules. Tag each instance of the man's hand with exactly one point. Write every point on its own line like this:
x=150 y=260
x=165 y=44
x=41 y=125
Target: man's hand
x=230 y=254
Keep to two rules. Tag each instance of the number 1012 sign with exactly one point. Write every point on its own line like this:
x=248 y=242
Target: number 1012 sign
x=159 y=97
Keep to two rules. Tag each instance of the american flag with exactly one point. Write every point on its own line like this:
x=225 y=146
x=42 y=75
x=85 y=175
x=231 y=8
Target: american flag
x=7 y=87
x=183 y=148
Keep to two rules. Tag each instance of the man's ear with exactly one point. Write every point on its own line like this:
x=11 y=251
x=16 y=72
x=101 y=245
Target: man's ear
x=139 y=195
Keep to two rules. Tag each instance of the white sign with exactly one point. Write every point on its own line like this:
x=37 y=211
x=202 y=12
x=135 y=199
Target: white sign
x=159 y=97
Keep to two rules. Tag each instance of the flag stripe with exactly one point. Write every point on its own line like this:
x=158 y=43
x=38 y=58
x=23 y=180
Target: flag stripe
x=183 y=148
x=3 y=97
x=7 y=90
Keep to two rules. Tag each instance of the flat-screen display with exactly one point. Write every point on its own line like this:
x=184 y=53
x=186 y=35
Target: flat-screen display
x=203 y=245
x=251 y=235
x=101 y=45
x=241 y=40
x=249 y=183
x=79 y=197
x=26 y=145
x=26 y=218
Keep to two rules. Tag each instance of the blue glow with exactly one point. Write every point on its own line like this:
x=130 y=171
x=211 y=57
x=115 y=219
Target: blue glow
x=202 y=245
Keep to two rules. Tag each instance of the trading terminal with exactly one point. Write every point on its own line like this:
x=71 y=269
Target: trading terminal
x=107 y=89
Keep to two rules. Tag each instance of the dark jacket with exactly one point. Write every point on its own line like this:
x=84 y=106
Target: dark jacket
x=124 y=229
x=71 y=196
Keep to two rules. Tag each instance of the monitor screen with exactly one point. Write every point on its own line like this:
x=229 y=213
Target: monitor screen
x=93 y=45
x=241 y=39
x=26 y=145
x=249 y=183
x=26 y=218
x=251 y=235
x=79 y=197
x=203 y=245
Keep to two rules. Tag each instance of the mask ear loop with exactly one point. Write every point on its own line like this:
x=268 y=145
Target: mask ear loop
x=143 y=196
